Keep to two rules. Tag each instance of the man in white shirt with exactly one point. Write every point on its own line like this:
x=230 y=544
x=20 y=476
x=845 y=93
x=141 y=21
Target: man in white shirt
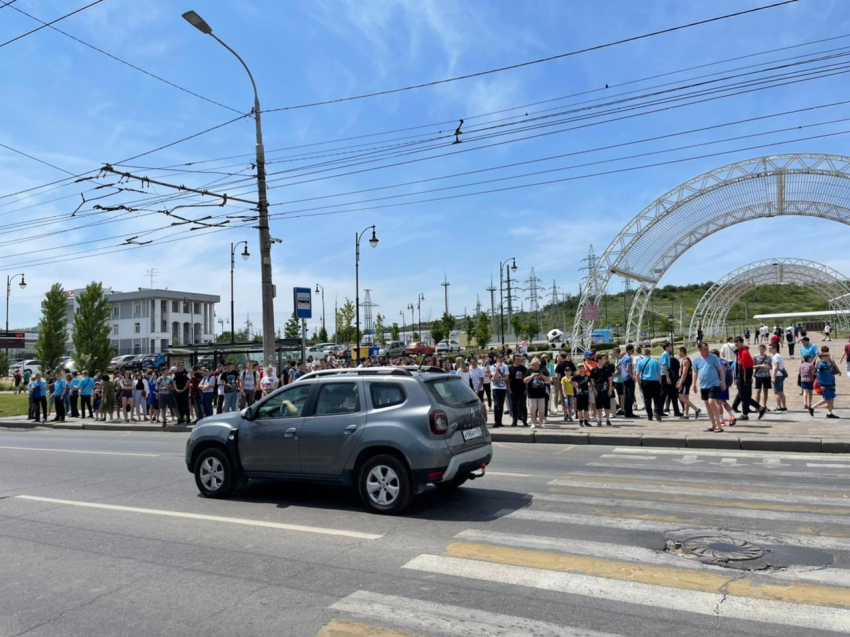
x=476 y=380
x=500 y=374
x=248 y=381
x=728 y=351
x=778 y=375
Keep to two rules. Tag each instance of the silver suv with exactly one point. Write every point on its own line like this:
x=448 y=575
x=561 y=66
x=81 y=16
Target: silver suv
x=387 y=431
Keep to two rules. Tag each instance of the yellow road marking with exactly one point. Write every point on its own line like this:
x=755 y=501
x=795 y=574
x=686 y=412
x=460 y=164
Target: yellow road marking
x=661 y=482
x=738 y=504
x=338 y=628
x=807 y=530
x=708 y=582
x=564 y=450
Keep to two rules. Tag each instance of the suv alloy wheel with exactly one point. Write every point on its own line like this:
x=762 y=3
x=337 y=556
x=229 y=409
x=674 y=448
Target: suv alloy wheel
x=214 y=474
x=384 y=485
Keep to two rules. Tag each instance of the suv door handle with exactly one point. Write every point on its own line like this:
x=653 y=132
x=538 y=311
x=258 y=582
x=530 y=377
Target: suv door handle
x=350 y=429
x=290 y=433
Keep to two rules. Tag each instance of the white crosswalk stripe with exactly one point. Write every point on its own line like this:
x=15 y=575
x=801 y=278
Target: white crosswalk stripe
x=615 y=543
x=451 y=620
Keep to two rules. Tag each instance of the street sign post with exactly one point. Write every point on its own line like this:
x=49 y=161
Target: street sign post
x=303 y=299
x=590 y=313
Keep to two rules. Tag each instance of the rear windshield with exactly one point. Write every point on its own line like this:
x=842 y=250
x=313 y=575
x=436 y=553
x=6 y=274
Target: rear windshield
x=452 y=392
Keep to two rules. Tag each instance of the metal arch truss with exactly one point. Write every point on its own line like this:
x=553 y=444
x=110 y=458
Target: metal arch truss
x=798 y=184
x=713 y=308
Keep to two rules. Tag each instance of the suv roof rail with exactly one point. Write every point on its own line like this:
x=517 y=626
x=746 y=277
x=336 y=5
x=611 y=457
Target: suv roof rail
x=359 y=371
x=432 y=369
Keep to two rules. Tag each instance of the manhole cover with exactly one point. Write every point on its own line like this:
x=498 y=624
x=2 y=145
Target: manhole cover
x=719 y=547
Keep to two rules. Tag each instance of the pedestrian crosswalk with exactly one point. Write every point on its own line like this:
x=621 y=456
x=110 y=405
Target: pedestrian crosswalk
x=611 y=544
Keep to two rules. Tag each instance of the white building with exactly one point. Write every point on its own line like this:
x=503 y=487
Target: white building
x=149 y=320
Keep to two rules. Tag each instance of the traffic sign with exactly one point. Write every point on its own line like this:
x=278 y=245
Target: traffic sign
x=643 y=333
x=609 y=326
x=590 y=313
x=12 y=340
x=303 y=302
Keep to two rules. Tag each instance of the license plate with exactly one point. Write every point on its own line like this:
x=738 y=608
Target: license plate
x=471 y=434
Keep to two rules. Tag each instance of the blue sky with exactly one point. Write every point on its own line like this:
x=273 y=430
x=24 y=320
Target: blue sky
x=77 y=109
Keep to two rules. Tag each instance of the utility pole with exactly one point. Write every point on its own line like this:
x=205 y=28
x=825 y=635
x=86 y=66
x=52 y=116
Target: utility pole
x=446 y=285
x=152 y=273
x=555 y=310
x=492 y=291
x=367 y=313
x=533 y=297
x=268 y=289
x=510 y=304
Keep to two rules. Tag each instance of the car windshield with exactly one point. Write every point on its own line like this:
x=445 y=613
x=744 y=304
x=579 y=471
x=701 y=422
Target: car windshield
x=452 y=392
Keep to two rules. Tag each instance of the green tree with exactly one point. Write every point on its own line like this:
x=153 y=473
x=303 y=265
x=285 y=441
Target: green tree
x=530 y=329
x=395 y=332
x=415 y=336
x=437 y=333
x=224 y=337
x=483 y=331
x=4 y=363
x=380 y=334
x=345 y=331
x=448 y=322
x=469 y=329
x=90 y=333
x=518 y=325
x=293 y=327
x=53 y=328
x=323 y=335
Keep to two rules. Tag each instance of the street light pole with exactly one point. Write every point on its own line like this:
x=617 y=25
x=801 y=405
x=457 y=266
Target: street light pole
x=268 y=291
x=22 y=284
x=402 y=324
x=501 y=295
x=419 y=300
x=322 y=288
x=245 y=256
x=374 y=243
x=412 y=307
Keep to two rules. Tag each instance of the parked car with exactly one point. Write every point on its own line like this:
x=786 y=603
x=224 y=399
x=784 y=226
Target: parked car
x=315 y=353
x=120 y=363
x=419 y=348
x=13 y=365
x=393 y=349
x=330 y=348
x=154 y=361
x=68 y=364
x=389 y=432
x=344 y=352
x=449 y=346
x=33 y=365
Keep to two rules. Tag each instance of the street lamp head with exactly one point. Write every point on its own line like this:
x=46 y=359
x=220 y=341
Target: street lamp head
x=374 y=240
x=198 y=22
x=23 y=283
x=317 y=288
x=245 y=253
x=513 y=267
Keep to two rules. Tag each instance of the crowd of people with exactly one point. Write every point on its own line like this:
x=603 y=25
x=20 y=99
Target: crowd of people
x=591 y=391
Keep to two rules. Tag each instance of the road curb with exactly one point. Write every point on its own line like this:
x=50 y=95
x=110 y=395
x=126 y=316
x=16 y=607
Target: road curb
x=717 y=441
x=101 y=426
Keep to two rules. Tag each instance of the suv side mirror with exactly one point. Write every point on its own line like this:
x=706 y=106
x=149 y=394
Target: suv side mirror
x=248 y=413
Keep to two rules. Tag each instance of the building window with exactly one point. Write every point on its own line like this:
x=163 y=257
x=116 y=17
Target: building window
x=137 y=310
x=185 y=307
x=137 y=328
x=115 y=329
x=137 y=348
x=175 y=306
x=197 y=308
x=163 y=326
x=164 y=344
x=163 y=307
x=115 y=311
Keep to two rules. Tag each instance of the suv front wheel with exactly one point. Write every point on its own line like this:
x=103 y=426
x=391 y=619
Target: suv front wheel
x=214 y=474
x=384 y=485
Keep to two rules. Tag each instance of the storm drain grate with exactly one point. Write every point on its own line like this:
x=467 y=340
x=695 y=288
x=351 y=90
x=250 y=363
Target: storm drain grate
x=719 y=547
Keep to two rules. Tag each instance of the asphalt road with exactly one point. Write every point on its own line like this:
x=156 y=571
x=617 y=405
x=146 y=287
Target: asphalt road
x=554 y=541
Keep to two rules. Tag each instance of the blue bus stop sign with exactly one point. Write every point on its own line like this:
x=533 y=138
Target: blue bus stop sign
x=303 y=302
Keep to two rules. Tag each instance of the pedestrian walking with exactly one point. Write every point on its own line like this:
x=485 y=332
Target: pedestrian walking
x=649 y=373
x=826 y=385
x=744 y=380
x=476 y=381
x=778 y=376
x=516 y=391
x=684 y=384
x=670 y=379
x=763 y=373
x=710 y=379
x=807 y=382
x=790 y=340
x=501 y=375
x=827 y=330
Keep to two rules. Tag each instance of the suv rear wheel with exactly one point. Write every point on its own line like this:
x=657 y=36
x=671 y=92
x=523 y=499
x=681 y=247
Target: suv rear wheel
x=214 y=474
x=384 y=485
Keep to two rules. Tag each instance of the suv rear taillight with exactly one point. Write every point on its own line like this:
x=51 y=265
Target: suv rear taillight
x=439 y=422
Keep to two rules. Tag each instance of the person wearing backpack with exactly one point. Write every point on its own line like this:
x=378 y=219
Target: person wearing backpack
x=790 y=340
x=744 y=367
x=826 y=383
x=249 y=381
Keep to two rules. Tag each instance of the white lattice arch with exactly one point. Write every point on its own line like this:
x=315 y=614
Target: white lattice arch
x=799 y=184
x=713 y=308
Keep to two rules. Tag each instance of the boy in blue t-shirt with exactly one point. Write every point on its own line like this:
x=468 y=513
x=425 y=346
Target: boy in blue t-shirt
x=826 y=382
x=38 y=395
